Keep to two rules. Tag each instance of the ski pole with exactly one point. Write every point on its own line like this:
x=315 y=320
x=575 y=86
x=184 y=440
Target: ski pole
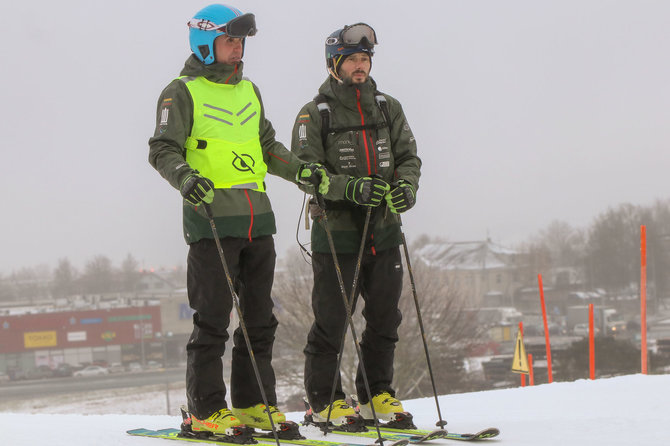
x=441 y=423
x=347 y=307
x=351 y=302
x=243 y=326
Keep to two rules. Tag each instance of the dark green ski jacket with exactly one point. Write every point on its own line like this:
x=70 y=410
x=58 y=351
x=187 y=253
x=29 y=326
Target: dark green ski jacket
x=387 y=151
x=237 y=212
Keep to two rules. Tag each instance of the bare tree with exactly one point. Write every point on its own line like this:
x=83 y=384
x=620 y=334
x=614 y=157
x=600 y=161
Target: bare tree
x=30 y=283
x=558 y=246
x=449 y=332
x=130 y=273
x=293 y=296
x=7 y=291
x=98 y=275
x=613 y=246
x=565 y=243
x=64 y=279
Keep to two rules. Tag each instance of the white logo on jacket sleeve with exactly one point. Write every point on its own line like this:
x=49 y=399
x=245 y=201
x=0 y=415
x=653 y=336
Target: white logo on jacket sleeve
x=302 y=132
x=164 y=116
x=385 y=164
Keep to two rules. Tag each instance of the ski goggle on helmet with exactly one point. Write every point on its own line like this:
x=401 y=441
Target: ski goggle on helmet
x=356 y=38
x=214 y=21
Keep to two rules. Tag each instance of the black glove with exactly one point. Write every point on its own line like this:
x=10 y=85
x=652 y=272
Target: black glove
x=366 y=191
x=314 y=174
x=401 y=198
x=195 y=189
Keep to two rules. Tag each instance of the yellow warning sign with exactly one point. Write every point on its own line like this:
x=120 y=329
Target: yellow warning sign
x=520 y=363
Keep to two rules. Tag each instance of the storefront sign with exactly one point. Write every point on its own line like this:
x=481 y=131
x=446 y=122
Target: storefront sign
x=37 y=339
x=76 y=336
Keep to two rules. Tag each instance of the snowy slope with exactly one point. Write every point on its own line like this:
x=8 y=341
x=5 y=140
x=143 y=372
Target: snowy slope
x=629 y=410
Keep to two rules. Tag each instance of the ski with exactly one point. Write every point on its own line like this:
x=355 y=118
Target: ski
x=263 y=438
x=401 y=427
x=390 y=431
x=481 y=435
x=412 y=437
x=396 y=436
x=355 y=425
x=174 y=434
x=421 y=436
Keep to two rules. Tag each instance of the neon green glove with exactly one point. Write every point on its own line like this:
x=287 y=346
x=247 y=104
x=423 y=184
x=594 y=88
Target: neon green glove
x=366 y=191
x=316 y=175
x=195 y=189
x=401 y=198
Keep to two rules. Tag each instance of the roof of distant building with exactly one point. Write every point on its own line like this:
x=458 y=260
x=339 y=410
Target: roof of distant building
x=475 y=255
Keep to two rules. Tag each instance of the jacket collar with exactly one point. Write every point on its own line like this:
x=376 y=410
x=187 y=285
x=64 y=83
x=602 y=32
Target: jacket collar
x=347 y=93
x=216 y=72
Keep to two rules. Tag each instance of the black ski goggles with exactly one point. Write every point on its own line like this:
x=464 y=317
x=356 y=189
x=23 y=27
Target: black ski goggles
x=239 y=27
x=354 y=35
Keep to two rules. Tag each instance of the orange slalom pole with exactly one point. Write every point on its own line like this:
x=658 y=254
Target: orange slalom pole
x=592 y=350
x=546 y=329
x=531 y=376
x=523 y=376
x=643 y=297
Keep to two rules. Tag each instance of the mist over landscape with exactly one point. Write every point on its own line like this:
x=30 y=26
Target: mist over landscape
x=524 y=113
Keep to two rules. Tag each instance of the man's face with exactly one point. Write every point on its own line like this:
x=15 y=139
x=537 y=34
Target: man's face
x=228 y=50
x=356 y=67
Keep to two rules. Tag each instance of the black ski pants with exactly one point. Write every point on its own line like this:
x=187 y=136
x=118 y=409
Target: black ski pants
x=380 y=285
x=251 y=265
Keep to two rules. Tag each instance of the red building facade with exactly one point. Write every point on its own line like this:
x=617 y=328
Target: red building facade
x=76 y=336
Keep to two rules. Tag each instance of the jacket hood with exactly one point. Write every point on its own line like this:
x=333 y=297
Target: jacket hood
x=216 y=72
x=346 y=93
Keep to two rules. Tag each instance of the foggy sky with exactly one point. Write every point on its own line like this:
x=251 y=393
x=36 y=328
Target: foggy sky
x=524 y=112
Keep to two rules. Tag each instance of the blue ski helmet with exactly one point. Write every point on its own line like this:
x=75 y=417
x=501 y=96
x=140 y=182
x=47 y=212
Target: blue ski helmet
x=351 y=39
x=214 y=21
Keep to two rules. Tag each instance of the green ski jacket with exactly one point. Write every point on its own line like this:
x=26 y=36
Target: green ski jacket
x=244 y=213
x=369 y=146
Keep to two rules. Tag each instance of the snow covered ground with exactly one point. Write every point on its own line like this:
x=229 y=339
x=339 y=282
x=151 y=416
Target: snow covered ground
x=628 y=410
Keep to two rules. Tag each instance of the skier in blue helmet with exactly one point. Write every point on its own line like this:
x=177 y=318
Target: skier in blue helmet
x=213 y=143
x=214 y=21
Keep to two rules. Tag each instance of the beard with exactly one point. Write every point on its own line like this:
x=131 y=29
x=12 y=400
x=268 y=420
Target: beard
x=349 y=80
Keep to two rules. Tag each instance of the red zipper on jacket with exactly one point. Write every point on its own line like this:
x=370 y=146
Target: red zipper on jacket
x=234 y=71
x=374 y=153
x=367 y=156
x=365 y=135
x=251 y=207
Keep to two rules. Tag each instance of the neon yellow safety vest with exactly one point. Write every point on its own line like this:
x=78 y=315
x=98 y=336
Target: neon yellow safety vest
x=224 y=145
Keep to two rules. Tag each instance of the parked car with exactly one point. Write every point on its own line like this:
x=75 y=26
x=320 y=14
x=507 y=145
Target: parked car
x=153 y=365
x=40 y=372
x=134 y=367
x=116 y=367
x=16 y=374
x=63 y=370
x=583 y=330
x=91 y=370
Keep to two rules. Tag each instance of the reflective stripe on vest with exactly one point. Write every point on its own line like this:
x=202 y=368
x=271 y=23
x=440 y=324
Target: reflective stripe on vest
x=224 y=145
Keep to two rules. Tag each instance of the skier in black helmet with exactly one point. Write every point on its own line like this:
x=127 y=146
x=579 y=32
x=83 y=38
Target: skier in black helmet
x=363 y=139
